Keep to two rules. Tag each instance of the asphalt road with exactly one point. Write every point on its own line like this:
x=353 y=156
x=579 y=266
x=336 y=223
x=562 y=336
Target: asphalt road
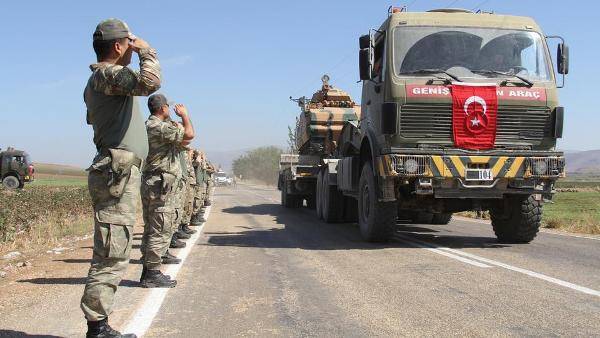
x=262 y=270
x=258 y=269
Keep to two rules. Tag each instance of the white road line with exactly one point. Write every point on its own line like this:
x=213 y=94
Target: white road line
x=530 y=273
x=546 y=231
x=140 y=322
x=440 y=252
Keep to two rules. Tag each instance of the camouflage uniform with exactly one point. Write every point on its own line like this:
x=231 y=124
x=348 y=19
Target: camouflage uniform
x=188 y=201
x=210 y=184
x=159 y=182
x=114 y=176
x=180 y=192
x=199 y=191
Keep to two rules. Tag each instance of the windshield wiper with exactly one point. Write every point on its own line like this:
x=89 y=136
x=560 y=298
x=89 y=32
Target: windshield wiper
x=497 y=72
x=432 y=71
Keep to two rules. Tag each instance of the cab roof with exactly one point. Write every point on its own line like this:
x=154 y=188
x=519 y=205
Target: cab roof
x=462 y=18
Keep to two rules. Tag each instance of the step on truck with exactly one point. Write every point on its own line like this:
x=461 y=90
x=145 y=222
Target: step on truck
x=459 y=112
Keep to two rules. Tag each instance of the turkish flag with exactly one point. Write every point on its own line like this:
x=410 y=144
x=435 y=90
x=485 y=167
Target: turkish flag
x=474 y=111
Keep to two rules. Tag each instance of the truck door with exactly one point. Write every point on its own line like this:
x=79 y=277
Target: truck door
x=373 y=91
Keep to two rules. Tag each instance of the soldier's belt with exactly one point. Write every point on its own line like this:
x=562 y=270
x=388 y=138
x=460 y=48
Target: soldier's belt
x=456 y=166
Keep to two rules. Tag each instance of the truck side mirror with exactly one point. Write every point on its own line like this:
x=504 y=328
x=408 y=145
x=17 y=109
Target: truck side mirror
x=365 y=64
x=364 y=41
x=562 y=58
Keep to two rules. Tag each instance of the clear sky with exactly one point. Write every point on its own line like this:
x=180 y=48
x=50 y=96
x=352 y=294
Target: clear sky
x=235 y=63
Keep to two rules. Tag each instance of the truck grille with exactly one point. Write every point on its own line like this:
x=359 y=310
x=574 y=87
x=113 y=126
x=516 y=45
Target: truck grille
x=516 y=124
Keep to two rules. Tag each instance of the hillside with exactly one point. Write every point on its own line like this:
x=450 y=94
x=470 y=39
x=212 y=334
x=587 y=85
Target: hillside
x=58 y=170
x=583 y=162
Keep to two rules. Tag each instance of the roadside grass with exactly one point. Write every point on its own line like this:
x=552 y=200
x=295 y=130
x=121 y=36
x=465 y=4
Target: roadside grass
x=40 y=216
x=574 y=212
x=59 y=180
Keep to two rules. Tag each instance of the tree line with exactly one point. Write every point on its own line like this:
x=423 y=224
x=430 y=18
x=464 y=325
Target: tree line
x=260 y=164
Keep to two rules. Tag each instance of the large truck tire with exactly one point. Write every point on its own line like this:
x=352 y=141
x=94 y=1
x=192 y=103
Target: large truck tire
x=422 y=217
x=289 y=200
x=441 y=218
x=11 y=182
x=350 y=209
x=377 y=220
x=333 y=200
x=517 y=219
x=319 y=196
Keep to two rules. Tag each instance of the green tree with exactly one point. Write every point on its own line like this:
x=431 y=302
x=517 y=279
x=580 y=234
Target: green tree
x=260 y=164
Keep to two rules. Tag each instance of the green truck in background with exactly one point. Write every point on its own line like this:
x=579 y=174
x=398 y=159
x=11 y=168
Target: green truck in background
x=401 y=158
x=16 y=168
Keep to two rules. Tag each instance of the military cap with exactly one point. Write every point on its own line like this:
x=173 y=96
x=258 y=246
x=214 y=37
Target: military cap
x=156 y=101
x=111 y=29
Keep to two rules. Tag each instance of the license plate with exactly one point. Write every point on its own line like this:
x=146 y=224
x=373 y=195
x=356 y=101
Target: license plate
x=479 y=175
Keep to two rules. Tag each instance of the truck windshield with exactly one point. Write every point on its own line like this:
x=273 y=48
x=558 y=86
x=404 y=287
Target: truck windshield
x=470 y=52
x=221 y=175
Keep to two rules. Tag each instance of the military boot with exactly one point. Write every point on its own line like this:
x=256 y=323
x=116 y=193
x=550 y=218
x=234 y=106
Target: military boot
x=186 y=228
x=145 y=270
x=169 y=258
x=156 y=279
x=175 y=243
x=101 y=329
x=207 y=203
x=195 y=220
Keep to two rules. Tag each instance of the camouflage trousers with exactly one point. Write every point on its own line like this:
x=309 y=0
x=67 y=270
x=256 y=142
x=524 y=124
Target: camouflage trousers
x=158 y=192
x=209 y=190
x=188 y=203
x=114 y=218
x=199 y=196
x=178 y=201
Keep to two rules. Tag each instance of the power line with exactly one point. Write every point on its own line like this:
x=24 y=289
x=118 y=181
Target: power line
x=452 y=3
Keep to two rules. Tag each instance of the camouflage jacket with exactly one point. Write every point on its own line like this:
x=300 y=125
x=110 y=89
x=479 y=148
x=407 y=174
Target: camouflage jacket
x=190 y=169
x=164 y=142
x=112 y=107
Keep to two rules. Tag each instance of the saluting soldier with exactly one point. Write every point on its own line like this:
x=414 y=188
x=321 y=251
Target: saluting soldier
x=200 y=189
x=114 y=176
x=162 y=168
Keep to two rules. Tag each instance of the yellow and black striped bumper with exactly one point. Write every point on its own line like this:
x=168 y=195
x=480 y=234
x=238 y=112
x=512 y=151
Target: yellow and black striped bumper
x=455 y=166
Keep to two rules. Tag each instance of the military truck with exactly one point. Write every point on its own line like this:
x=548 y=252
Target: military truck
x=459 y=112
x=16 y=168
x=317 y=129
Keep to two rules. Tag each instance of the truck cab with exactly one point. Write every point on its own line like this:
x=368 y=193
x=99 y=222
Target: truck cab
x=16 y=168
x=402 y=158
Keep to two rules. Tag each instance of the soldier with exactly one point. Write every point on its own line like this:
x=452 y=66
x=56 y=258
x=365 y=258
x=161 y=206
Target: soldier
x=114 y=176
x=179 y=198
x=199 y=193
x=210 y=170
x=165 y=139
x=184 y=230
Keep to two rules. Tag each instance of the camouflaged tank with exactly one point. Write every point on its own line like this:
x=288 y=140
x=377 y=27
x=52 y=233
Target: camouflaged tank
x=322 y=119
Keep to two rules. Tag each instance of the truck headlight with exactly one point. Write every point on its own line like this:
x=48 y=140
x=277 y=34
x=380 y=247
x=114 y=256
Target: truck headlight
x=540 y=167
x=411 y=166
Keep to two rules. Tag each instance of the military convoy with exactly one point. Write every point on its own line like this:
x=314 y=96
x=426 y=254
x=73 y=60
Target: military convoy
x=459 y=112
x=16 y=168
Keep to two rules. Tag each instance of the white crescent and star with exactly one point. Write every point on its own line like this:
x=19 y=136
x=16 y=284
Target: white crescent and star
x=475 y=99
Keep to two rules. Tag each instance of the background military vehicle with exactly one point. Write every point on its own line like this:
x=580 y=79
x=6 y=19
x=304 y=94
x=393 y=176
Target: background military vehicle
x=402 y=160
x=16 y=168
x=317 y=129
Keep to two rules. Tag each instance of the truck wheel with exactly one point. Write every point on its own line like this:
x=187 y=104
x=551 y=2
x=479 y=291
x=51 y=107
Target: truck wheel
x=441 y=218
x=377 y=220
x=422 y=217
x=350 y=209
x=311 y=202
x=333 y=201
x=516 y=220
x=319 y=196
x=289 y=200
x=11 y=182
